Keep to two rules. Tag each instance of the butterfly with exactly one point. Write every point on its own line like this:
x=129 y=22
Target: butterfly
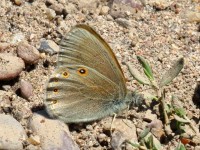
x=88 y=83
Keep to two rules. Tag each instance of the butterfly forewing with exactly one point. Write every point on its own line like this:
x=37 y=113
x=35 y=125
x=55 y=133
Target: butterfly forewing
x=83 y=46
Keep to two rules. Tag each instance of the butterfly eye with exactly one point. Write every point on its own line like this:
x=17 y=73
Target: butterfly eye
x=82 y=71
x=65 y=74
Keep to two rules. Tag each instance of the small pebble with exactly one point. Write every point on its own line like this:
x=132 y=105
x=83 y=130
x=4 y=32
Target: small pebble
x=22 y=111
x=28 y=53
x=156 y=128
x=26 y=89
x=160 y=4
x=18 y=2
x=5 y=102
x=49 y=46
x=58 y=8
x=123 y=22
x=90 y=5
x=192 y=16
x=51 y=14
x=70 y=8
x=101 y=137
x=89 y=127
x=11 y=132
x=124 y=8
x=10 y=66
x=34 y=140
x=104 y=10
x=4 y=46
x=149 y=116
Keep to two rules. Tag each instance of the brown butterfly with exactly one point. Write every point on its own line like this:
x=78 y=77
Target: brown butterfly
x=88 y=83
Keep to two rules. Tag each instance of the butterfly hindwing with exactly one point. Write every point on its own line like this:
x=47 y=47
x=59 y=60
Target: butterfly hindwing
x=80 y=98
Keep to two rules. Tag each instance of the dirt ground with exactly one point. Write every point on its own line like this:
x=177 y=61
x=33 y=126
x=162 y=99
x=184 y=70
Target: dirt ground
x=159 y=30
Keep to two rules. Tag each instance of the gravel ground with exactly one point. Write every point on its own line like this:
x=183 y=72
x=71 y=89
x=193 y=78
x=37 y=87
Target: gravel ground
x=159 y=30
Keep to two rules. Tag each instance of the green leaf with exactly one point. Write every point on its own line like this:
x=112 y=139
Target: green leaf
x=144 y=133
x=180 y=147
x=172 y=72
x=176 y=102
x=168 y=108
x=146 y=67
x=156 y=144
x=180 y=112
x=136 y=145
x=152 y=142
x=182 y=120
x=137 y=75
x=177 y=106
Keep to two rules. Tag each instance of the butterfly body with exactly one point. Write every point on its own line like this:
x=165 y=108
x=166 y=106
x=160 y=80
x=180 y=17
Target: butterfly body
x=88 y=83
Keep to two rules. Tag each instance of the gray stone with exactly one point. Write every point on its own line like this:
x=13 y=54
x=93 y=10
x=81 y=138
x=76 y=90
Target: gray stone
x=125 y=8
x=123 y=130
x=123 y=22
x=49 y=46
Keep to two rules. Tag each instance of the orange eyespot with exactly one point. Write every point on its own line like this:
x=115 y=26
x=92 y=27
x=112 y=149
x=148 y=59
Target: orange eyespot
x=55 y=90
x=65 y=74
x=54 y=101
x=55 y=80
x=82 y=71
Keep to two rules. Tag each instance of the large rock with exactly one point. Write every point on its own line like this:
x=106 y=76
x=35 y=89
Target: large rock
x=10 y=66
x=53 y=134
x=12 y=134
x=28 y=53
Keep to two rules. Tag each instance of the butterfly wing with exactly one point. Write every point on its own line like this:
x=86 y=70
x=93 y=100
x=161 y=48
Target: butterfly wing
x=88 y=83
x=83 y=46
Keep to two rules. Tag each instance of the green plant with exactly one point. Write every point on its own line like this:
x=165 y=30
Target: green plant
x=153 y=83
x=149 y=141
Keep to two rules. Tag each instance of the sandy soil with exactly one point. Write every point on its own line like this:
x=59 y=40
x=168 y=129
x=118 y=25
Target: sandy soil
x=161 y=31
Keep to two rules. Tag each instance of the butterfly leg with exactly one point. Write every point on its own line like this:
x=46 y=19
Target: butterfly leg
x=111 y=127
